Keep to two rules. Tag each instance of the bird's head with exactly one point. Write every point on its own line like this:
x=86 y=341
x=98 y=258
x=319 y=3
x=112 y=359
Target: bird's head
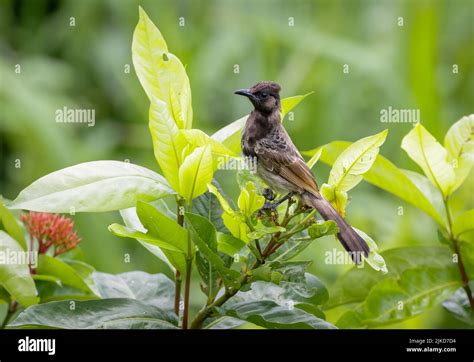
x=265 y=96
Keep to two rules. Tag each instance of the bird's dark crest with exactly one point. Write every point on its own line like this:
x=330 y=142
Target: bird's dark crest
x=266 y=86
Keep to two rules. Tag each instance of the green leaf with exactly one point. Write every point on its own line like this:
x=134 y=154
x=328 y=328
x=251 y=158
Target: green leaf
x=249 y=201
x=48 y=265
x=463 y=223
x=224 y=323
x=355 y=284
x=231 y=134
x=4 y=296
x=309 y=290
x=198 y=138
x=210 y=278
x=47 y=278
x=338 y=198
x=266 y=274
x=229 y=244
x=323 y=228
x=430 y=191
x=92 y=187
x=353 y=162
x=262 y=230
x=293 y=271
x=126 y=232
x=11 y=225
x=82 y=269
x=160 y=72
x=428 y=153
x=130 y=218
x=168 y=142
x=50 y=291
x=245 y=175
x=270 y=315
x=195 y=173
x=163 y=228
x=415 y=291
x=15 y=276
x=459 y=142
x=233 y=220
x=287 y=104
x=151 y=289
x=374 y=259
x=385 y=175
x=208 y=206
x=204 y=236
x=315 y=158
x=291 y=248
x=458 y=305
x=94 y=314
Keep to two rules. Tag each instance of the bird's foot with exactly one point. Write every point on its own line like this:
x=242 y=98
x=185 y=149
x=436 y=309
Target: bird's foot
x=268 y=208
x=268 y=194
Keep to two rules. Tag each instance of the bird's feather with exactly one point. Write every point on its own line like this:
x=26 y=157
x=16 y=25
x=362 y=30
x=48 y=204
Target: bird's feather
x=278 y=154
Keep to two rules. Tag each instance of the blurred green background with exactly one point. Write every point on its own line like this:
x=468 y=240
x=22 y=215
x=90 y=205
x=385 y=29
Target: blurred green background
x=89 y=65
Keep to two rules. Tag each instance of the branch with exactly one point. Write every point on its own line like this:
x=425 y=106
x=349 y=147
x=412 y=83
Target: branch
x=177 y=289
x=457 y=250
x=275 y=242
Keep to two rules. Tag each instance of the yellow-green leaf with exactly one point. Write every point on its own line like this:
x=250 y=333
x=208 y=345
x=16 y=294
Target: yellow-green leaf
x=338 y=198
x=428 y=153
x=353 y=162
x=14 y=276
x=287 y=104
x=11 y=225
x=127 y=232
x=463 y=223
x=375 y=260
x=249 y=201
x=233 y=220
x=315 y=158
x=195 y=173
x=387 y=176
x=160 y=72
x=459 y=142
x=168 y=143
x=198 y=138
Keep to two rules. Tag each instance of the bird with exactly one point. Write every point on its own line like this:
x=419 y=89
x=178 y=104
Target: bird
x=281 y=166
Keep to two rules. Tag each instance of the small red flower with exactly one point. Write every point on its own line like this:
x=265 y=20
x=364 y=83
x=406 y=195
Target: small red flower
x=51 y=230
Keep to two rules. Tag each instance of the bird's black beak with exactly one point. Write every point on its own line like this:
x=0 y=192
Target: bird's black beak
x=246 y=93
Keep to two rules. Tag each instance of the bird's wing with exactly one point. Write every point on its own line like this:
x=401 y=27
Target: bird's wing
x=278 y=154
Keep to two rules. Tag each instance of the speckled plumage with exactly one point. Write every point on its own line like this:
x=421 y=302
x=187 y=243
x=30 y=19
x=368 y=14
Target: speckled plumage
x=280 y=164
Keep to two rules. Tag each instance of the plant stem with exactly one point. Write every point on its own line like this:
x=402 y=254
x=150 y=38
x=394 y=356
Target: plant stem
x=275 y=242
x=465 y=279
x=204 y=313
x=457 y=250
x=187 y=289
x=177 y=290
x=187 y=282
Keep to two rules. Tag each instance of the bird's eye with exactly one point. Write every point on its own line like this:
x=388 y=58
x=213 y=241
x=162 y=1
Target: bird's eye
x=264 y=95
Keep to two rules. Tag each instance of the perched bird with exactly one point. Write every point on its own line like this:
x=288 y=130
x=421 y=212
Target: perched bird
x=282 y=167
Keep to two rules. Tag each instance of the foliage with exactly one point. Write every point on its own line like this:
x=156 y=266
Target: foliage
x=243 y=255
x=419 y=278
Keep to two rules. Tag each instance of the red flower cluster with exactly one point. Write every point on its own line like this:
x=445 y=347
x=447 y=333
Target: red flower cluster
x=51 y=230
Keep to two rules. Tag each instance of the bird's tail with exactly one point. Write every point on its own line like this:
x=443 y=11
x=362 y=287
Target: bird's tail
x=352 y=242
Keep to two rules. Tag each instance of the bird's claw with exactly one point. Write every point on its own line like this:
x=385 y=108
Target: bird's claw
x=268 y=194
x=268 y=208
